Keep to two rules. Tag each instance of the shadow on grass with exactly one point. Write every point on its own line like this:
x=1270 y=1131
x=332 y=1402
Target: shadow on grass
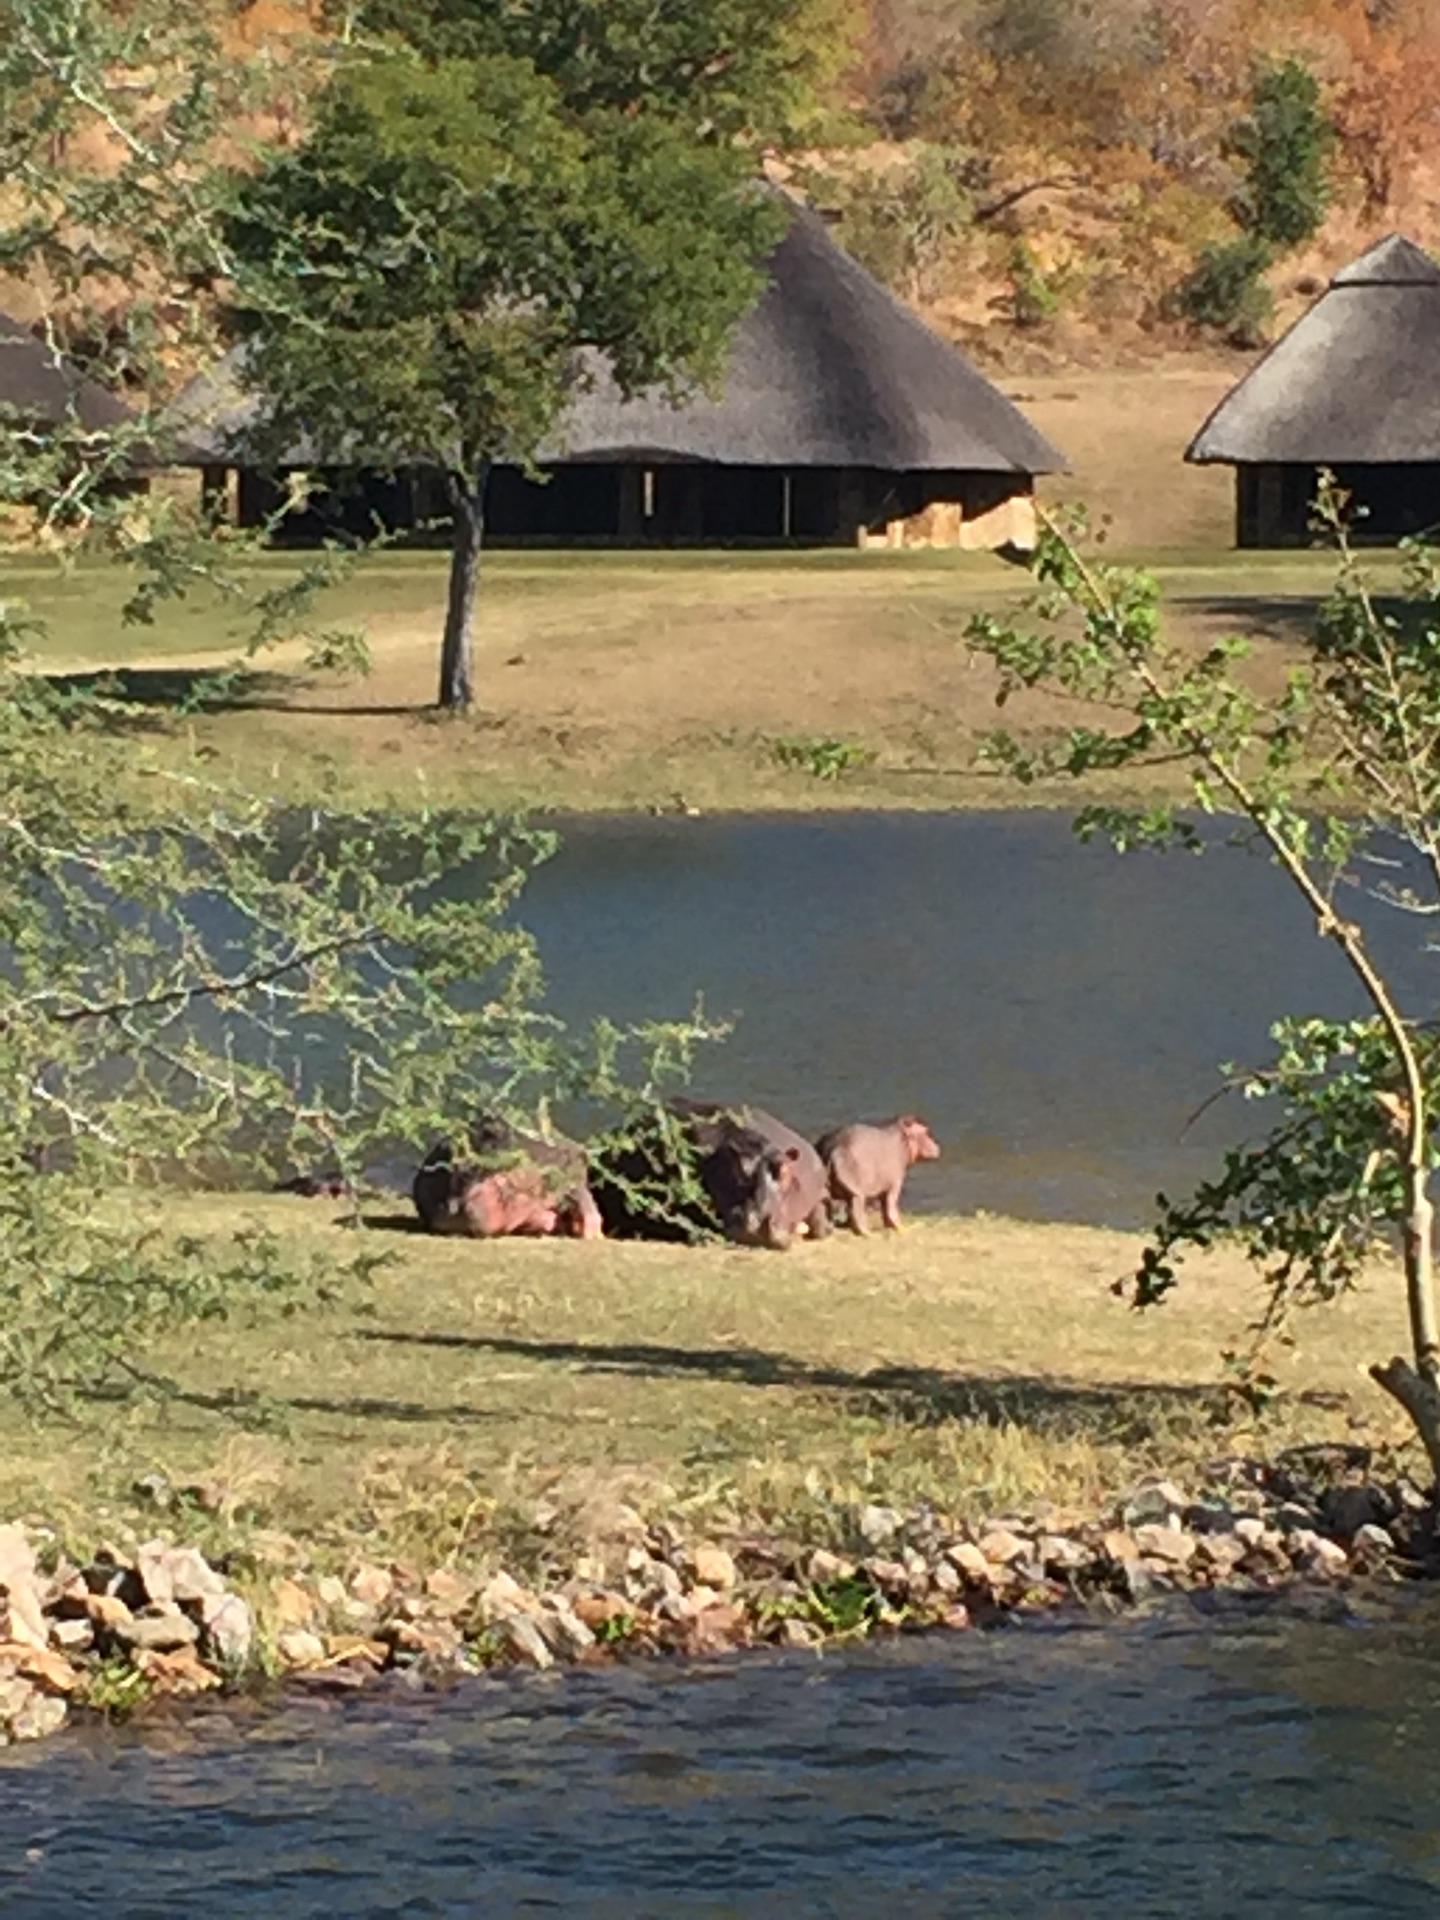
x=154 y=692
x=1293 y=616
x=1126 y=1411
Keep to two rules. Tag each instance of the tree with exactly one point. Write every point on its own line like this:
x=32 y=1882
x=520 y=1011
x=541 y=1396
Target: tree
x=747 y=70
x=417 y=280
x=1284 y=144
x=1338 y=778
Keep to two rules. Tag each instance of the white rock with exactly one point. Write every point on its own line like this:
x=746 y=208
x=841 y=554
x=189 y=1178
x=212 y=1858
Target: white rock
x=878 y=1524
x=526 y=1641
x=229 y=1629
x=298 y=1647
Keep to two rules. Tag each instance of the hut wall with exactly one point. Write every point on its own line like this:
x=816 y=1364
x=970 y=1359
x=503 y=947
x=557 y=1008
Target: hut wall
x=679 y=503
x=1389 y=502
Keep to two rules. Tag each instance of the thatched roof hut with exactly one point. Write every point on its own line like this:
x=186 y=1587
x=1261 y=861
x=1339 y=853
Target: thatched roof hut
x=1353 y=386
x=43 y=388
x=840 y=411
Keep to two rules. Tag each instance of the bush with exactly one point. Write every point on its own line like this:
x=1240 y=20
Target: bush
x=1225 y=290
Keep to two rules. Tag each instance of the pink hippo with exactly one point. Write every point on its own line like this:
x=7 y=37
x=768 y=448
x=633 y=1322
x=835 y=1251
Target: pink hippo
x=869 y=1161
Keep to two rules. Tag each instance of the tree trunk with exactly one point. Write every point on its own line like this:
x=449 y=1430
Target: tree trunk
x=457 y=652
x=1417 y=1387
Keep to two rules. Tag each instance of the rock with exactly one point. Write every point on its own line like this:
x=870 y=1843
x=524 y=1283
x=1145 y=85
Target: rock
x=1345 y=1510
x=1170 y=1545
x=372 y=1586
x=448 y=1592
x=1220 y=1552
x=156 y=1632
x=524 y=1639
x=824 y=1566
x=714 y=1567
x=330 y=1591
x=181 y=1672
x=298 y=1647
x=229 y=1629
x=1317 y=1557
x=354 y=1649
x=945 y=1576
x=1134 y=1580
x=791 y=1632
x=1251 y=1531
x=294 y=1607
x=999 y=1546
x=39 y=1716
x=1372 y=1543
x=889 y=1575
x=502 y=1596
x=72 y=1636
x=17 y=1556
x=176 y=1573
x=565 y=1632
x=715 y=1628
x=590 y=1569
x=22 y=1617
x=598 y=1610
x=969 y=1562
x=1120 y=1546
x=1153 y=1504
x=956 y=1618
x=45 y=1668
x=106 y=1610
x=437 y=1641
x=878 y=1524
x=1058 y=1553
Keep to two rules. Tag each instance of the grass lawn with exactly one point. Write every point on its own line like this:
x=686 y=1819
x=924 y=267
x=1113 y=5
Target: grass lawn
x=980 y=1363
x=624 y=681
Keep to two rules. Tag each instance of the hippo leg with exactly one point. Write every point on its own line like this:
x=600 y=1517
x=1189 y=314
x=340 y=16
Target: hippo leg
x=858 y=1222
x=817 y=1224
x=890 y=1209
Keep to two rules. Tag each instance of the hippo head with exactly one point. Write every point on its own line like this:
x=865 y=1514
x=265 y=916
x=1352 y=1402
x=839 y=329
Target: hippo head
x=762 y=1179
x=920 y=1143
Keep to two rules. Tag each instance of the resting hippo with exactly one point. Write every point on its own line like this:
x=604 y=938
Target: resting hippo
x=513 y=1183
x=869 y=1161
x=759 y=1179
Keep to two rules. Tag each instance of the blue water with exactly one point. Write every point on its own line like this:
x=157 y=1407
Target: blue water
x=1057 y=1012
x=1231 y=1767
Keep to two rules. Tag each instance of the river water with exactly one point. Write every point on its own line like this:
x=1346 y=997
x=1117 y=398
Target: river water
x=1057 y=1012
x=1234 y=1766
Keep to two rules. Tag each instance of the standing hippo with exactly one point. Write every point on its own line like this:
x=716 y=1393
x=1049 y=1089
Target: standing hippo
x=869 y=1161
x=696 y=1164
x=512 y=1183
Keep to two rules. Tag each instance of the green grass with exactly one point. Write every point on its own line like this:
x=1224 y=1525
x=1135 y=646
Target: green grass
x=635 y=681
x=980 y=1364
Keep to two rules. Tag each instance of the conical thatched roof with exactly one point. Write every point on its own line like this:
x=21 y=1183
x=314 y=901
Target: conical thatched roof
x=43 y=387
x=828 y=370
x=1355 y=380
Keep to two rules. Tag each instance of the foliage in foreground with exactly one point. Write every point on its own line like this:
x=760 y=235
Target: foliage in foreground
x=1338 y=782
x=227 y=997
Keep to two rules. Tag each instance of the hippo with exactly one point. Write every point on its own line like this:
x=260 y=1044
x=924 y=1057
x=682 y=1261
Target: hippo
x=512 y=1183
x=869 y=1161
x=696 y=1164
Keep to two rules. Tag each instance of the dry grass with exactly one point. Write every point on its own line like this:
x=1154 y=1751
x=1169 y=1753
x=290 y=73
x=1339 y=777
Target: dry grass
x=979 y=1363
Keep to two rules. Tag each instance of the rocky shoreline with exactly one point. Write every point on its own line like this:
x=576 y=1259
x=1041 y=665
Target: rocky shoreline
x=158 y=1619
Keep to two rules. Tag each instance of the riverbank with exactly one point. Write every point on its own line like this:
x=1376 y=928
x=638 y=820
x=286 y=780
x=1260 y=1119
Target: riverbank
x=664 y=682
x=564 y=1418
